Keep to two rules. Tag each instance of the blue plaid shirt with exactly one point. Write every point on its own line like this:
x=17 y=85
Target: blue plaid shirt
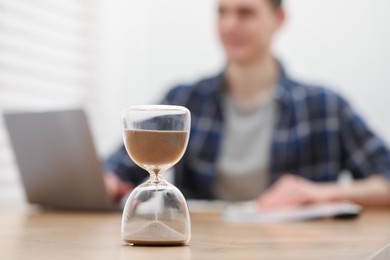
x=317 y=135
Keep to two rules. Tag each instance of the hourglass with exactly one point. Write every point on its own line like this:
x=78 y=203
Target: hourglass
x=156 y=212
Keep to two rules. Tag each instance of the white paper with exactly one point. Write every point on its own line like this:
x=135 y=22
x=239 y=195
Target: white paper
x=249 y=212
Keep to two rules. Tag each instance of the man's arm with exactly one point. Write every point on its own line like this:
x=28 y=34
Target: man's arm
x=373 y=191
x=115 y=187
x=361 y=152
x=292 y=190
x=121 y=174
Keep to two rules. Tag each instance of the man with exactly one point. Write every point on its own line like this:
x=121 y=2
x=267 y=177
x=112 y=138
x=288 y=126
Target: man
x=258 y=134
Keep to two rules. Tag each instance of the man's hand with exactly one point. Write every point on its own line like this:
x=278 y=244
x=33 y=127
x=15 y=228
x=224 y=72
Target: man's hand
x=291 y=190
x=115 y=187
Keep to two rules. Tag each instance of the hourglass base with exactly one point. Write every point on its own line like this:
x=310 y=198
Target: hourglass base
x=147 y=243
x=156 y=214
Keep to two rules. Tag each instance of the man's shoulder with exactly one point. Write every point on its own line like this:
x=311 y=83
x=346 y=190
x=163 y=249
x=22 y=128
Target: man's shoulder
x=183 y=93
x=301 y=91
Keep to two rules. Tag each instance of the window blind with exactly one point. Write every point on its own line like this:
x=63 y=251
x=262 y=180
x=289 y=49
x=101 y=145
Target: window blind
x=48 y=60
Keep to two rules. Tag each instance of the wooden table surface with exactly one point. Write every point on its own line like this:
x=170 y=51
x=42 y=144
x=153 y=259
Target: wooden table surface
x=35 y=234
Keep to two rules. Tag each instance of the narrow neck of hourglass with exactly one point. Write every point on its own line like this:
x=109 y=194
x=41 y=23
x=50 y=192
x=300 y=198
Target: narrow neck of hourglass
x=156 y=174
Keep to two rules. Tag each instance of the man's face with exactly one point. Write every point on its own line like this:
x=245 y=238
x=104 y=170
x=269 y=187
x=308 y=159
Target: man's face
x=246 y=28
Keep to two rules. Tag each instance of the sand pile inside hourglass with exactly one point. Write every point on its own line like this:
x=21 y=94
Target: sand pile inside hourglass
x=154 y=231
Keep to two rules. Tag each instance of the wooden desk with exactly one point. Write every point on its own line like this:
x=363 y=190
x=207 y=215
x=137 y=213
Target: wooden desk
x=32 y=234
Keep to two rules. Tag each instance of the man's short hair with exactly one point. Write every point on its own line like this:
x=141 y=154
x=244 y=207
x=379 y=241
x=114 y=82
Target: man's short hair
x=276 y=3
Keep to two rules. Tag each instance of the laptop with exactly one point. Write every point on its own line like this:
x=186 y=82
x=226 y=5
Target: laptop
x=57 y=160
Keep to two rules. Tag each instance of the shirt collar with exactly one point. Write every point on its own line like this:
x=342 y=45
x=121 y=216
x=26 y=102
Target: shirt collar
x=281 y=93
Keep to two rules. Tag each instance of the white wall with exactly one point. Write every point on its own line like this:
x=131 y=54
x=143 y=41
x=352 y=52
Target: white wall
x=149 y=45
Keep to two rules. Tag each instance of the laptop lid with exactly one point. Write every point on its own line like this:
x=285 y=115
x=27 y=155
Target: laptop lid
x=57 y=159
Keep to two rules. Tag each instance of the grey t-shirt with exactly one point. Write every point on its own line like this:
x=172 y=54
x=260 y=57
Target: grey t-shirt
x=242 y=167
